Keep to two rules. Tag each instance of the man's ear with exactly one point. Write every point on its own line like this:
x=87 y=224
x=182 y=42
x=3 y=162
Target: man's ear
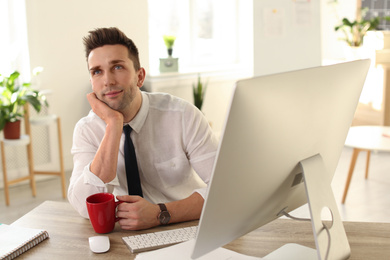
x=141 y=77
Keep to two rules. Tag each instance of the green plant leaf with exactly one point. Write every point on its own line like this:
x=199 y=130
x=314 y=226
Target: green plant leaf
x=354 y=31
x=14 y=96
x=169 y=40
x=199 y=90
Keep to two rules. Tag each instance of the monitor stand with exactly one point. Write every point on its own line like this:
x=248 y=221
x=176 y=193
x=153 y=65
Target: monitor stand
x=320 y=198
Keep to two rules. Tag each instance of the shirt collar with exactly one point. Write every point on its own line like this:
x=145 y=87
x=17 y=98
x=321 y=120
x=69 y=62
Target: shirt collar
x=139 y=120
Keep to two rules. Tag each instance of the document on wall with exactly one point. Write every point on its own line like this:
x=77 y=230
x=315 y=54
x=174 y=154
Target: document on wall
x=274 y=22
x=302 y=13
x=184 y=250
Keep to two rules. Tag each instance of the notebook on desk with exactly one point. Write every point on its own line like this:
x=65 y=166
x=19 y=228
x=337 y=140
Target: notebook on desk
x=15 y=240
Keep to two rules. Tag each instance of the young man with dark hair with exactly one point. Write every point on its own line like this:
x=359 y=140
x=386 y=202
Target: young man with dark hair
x=174 y=144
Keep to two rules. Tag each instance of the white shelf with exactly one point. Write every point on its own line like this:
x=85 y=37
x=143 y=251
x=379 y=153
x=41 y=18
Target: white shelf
x=24 y=140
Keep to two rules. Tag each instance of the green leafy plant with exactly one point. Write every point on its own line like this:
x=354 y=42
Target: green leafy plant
x=354 y=31
x=13 y=97
x=169 y=41
x=199 y=89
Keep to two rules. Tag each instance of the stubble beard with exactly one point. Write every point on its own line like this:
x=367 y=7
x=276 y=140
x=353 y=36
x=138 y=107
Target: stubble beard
x=124 y=103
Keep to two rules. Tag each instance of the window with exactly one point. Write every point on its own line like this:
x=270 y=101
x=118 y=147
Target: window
x=378 y=8
x=13 y=44
x=207 y=32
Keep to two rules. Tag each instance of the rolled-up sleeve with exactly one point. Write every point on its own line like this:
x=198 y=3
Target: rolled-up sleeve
x=201 y=146
x=83 y=182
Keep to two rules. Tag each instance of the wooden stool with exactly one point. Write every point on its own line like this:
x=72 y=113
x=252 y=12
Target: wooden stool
x=365 y=138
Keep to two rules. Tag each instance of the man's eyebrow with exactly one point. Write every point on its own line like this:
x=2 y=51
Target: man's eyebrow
x=111 y=62
x=116 y=61
x=94 y=68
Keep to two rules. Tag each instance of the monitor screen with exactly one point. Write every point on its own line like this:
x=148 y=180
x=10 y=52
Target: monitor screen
x=274 y=123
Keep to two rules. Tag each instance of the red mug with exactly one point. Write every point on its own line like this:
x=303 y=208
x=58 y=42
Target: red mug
x=102 y=212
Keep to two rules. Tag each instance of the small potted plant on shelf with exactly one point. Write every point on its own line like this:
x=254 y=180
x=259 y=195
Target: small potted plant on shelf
x=13 y=97
x=199 y=89
x=169 y=41
x=169 y=64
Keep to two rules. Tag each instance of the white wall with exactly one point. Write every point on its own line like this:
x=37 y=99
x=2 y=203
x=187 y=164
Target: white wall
x=287 y=35
x=331 y=15
x=55 y=31
x=299 y=44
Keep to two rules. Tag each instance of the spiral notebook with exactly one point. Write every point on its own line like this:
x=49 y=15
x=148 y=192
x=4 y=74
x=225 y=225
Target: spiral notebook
x=15 y=240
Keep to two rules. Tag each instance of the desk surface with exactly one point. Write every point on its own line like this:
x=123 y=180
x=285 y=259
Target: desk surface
x=69 y=236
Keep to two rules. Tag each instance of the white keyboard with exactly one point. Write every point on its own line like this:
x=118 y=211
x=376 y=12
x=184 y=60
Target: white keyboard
x=150 y=241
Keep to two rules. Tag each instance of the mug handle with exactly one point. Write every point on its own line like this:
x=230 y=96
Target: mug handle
x=116 y=205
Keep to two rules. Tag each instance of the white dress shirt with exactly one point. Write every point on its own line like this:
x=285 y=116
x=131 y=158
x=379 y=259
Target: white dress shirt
x=174 y=145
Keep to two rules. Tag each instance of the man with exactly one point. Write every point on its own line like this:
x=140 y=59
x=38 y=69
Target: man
x=174 y=145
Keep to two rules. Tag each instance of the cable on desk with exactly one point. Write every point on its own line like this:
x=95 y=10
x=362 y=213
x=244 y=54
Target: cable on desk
x=307 y=219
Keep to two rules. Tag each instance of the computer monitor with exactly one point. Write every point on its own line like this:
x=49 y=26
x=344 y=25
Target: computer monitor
x=281 y=143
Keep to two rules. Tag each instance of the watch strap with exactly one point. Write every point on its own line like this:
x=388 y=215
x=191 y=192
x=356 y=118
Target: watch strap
x=164 y=215
x=162 y=207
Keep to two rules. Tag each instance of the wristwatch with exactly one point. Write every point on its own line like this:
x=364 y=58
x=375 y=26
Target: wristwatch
x=164 y=215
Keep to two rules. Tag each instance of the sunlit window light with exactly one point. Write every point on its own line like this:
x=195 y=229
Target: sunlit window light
x=206 y=32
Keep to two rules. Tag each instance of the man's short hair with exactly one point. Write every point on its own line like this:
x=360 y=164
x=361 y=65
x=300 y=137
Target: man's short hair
x=111 y=36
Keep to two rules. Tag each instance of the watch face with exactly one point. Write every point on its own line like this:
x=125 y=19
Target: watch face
x=164 y=217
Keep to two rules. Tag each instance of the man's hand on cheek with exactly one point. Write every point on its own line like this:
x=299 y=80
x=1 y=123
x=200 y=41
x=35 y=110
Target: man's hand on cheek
x=137 y=213
x=103 y=110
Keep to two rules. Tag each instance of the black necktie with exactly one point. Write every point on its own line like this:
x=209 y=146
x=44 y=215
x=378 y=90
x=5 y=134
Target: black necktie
x=133 y=181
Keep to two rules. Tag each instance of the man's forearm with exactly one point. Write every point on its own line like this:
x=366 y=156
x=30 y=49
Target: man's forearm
x=187 y=209
x=105 y=161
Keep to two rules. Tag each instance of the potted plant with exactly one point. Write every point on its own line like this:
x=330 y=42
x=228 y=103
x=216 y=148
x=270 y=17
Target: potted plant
x=354 y=31
x=169 y=64
x=13 y=97
x=199 y=89
x=169 y=40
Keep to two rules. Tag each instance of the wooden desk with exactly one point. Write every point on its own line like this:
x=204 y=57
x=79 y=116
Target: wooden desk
x=69 y=236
